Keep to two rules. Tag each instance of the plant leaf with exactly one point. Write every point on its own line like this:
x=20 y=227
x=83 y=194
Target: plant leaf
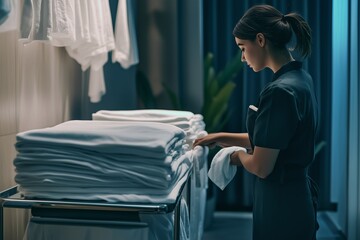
x=224 y=121
x=221 y=98
x=230 y=70
x=218 y=117
x=208 y=63
x=210 y=86
x=213 y=88
x=218 y=105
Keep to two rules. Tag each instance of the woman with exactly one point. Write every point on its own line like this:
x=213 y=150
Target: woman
x=281 y=127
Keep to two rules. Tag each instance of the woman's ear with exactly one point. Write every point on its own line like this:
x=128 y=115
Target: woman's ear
x=260 y=39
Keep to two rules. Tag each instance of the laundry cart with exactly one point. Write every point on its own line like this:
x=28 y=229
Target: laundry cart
x=103 y=180
x=100 y=220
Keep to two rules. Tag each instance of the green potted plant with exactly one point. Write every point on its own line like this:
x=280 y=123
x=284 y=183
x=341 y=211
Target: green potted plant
x=218 y=88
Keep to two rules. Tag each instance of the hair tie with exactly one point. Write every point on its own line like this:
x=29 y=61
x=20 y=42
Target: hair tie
x=283 y=18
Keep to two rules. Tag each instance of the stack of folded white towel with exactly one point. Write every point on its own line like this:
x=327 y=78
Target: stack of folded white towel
x=194 y=127
x=191 y=123
x=103 y=160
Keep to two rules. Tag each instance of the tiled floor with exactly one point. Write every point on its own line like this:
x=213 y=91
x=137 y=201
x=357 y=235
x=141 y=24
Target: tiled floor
x=236 y=226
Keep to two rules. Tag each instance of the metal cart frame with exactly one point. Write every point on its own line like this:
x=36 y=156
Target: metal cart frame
x=11 y=198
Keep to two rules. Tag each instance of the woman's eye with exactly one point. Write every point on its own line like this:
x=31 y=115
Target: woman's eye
x=242 y=49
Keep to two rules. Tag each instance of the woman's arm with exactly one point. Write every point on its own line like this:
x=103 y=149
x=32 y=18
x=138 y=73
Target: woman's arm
x=261 y=162
x=224 y=139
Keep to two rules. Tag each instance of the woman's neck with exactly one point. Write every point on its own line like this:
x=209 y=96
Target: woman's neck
x=279 y=59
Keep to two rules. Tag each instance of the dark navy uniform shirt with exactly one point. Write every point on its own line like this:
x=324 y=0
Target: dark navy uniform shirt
x=287 y=116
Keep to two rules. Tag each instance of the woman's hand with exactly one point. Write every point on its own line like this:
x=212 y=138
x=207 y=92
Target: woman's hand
x=224 y=139
x=210 y=140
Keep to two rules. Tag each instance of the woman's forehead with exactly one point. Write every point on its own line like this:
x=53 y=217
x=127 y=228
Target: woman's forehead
x=240 y=42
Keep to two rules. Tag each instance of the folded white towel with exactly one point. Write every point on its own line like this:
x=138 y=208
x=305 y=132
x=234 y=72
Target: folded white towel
x=191 y=123
x=149 y=115
x=111 y=197
x=140 y=138
x=221 y=172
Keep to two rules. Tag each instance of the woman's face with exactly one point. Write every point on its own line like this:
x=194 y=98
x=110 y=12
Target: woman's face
x=253 y=52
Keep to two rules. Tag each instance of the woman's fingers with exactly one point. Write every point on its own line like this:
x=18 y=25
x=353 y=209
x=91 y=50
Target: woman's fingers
x=204 y=142
x=197 y=142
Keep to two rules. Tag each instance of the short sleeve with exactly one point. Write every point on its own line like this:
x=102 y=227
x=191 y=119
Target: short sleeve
x=277 y=118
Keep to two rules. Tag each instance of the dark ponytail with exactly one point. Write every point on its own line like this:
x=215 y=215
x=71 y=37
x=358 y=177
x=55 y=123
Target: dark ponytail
x=276 y=27
x=302 y=31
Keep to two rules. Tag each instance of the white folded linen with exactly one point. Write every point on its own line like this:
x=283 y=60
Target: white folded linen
x=191 y=123
x=221 y=172
x=81 y=157
x=102 y=160
x=151 y=115
x=79 y=178
x=112 y=186
x=138 y=197
x=23 y=165
x=148 y=139
x=70 y=173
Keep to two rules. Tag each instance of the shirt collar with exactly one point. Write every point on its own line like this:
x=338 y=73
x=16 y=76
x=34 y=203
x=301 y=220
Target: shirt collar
x=293 y=65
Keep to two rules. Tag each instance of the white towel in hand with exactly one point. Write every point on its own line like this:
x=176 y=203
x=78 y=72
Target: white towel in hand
x=221 y=172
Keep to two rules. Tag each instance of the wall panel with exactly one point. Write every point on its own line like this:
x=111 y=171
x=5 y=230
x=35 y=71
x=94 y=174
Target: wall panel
x=40 y=86
x=7 y=83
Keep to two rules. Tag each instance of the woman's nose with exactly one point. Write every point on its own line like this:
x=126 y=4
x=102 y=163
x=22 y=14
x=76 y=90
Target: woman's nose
x=243 y=57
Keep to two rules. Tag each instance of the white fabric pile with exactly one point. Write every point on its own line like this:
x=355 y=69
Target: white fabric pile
x=194 y=127
x=103 y=160
x=191 y=123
